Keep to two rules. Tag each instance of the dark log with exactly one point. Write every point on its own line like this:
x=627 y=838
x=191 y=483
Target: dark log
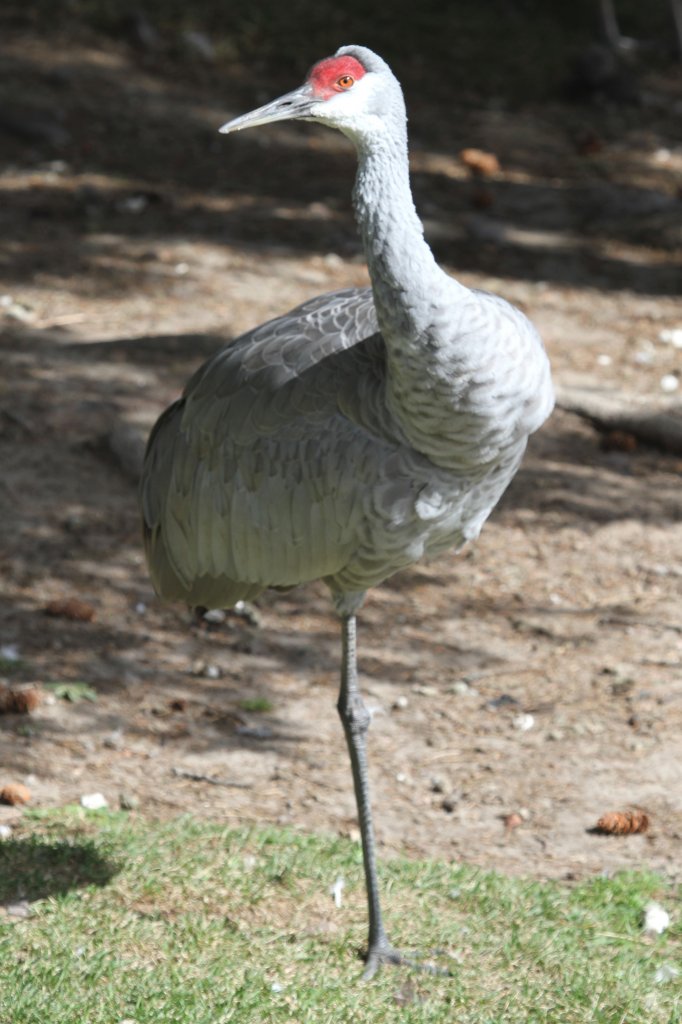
x=659 y=425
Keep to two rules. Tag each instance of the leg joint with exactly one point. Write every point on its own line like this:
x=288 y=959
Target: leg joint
x=354 y=714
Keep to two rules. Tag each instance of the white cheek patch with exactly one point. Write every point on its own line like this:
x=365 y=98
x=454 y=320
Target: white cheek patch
x=343 y=107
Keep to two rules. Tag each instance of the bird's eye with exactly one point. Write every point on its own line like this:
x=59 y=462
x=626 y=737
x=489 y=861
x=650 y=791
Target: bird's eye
x=345 y=81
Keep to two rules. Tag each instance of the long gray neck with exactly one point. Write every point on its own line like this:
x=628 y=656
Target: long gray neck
x=422 y=312
x=408 y=283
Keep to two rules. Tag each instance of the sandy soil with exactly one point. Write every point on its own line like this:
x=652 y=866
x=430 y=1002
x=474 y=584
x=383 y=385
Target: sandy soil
x=539 y=673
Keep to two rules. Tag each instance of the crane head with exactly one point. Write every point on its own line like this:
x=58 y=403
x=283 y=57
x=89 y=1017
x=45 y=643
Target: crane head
x=344 y=91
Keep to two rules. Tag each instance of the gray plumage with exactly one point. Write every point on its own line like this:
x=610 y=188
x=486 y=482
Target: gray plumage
x=283 y=461
x=361 y=431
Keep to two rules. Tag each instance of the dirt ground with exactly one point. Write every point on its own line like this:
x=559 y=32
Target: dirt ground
x=537 y=674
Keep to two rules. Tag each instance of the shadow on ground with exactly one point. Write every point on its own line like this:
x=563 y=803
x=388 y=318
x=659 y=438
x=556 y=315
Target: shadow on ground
x=35 y=867
x=113 y=152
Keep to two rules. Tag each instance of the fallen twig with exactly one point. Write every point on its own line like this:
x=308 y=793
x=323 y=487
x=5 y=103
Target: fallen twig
x=659 y=426
x=212 y=779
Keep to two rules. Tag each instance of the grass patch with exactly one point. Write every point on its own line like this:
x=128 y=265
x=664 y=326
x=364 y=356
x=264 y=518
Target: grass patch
x=73 y=692
x=188 y=922
x=256 y=704
x=12 y=666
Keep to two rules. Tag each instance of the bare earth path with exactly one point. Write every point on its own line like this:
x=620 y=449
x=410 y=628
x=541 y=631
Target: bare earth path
x=141 y=241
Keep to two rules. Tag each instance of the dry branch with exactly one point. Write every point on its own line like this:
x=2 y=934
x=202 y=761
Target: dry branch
x=660 y=425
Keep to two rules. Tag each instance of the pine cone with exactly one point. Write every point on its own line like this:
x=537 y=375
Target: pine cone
x=26 y=699
x=21 y=700
x=480 y=163
x=70 y=608
x=622 y=823
x=15 y=793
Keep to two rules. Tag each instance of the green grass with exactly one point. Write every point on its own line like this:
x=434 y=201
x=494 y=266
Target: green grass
x=256 y=704
x=11 y=666
x=73 y=692
x=188 y=923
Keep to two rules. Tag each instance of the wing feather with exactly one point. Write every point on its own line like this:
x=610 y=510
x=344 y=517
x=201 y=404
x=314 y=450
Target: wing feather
x=257 y=476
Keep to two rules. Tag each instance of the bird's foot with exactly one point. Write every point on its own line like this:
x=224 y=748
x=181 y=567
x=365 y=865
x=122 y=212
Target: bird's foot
x=382 y=952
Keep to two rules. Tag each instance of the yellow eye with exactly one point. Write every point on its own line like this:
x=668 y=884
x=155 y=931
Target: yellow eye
x=345 y=81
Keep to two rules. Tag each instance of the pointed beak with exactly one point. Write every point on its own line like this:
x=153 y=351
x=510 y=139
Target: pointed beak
x=296 y=104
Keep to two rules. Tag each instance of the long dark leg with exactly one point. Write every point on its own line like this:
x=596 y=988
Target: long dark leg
x=355 y=719
x=609 y=23
x=676 y=6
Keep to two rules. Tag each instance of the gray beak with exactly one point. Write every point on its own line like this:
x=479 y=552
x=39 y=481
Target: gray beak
x=296 y=104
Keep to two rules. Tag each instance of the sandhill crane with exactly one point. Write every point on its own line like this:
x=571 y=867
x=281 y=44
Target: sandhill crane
x=353 y=435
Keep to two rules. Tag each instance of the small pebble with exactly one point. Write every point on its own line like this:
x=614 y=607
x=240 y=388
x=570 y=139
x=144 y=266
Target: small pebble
x=114 y=741
x=524 y=722
x=21 y=908
x=425 y=691
x=462 y=689
x=400 y=703
x=656 y=919
x=200 y=668
x=669 y=383
x=5 y=832
x=94 y=801
x=671 y=336
x=58 y=167
x=249 y=612
x=216 y=616
x=133 y=204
